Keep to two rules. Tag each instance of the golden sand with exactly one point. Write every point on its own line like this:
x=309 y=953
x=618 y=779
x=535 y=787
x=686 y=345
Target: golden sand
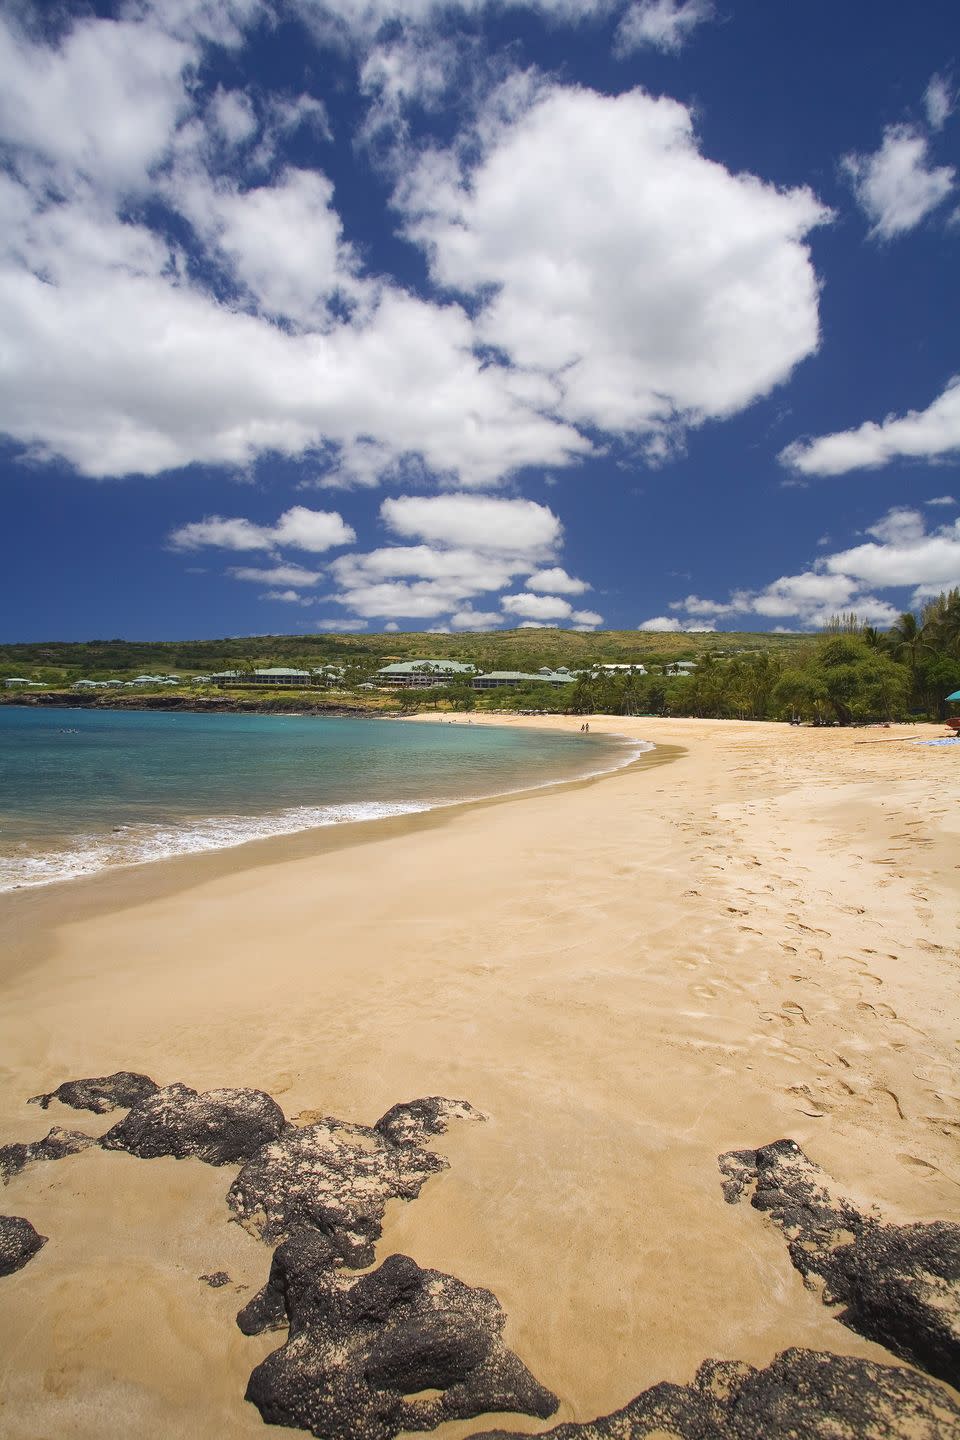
x=757 y=939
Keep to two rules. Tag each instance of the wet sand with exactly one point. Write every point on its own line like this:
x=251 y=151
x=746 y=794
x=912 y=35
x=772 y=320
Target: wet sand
x=753 y=934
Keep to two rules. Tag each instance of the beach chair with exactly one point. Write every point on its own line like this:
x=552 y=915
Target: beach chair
x=954 y=724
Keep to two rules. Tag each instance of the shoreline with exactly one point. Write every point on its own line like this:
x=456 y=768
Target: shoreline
x=401 y=810
x=629 y=978
x=28 y=913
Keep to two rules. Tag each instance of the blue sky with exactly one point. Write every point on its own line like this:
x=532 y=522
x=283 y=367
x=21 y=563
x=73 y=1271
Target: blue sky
x=396 y=314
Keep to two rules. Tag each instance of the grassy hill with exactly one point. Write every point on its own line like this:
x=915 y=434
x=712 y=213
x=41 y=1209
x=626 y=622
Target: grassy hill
x=58 y=662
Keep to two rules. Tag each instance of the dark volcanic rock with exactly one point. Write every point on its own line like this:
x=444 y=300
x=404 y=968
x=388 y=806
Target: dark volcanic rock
x=802 y=1395
x=308 y=1258
x=398 y=1349
x=105 y=1093
x=898 y=1284
x=338 y=1177
x=54 y=1146
x=219 y=1127
x=19 y=1242
x=218 y=1279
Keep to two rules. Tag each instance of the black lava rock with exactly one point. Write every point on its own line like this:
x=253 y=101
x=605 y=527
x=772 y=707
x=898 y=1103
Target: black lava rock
x=401 y=1348
x=19 y=1242
x=308 y=1258
x=337 y=1177
x=54 y=1146
x=105 y=1093
x=802 y=1395
x=220 y=1127
x=899 y=1285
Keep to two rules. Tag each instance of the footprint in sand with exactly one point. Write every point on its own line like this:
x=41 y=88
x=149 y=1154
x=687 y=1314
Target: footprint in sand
x=811 y=1104
x=915 y=1163
x=704 y=992
x=790 y=1008
x=891 y=1095
x=944 y=1124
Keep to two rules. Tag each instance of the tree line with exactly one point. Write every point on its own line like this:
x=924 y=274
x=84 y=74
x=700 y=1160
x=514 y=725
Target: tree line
x=849 y=673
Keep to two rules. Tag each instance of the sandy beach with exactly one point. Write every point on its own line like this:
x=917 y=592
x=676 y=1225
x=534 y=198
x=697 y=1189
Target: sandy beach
x=750 y=934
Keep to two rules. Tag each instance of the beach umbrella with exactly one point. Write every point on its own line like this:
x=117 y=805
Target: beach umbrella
x=954 y=696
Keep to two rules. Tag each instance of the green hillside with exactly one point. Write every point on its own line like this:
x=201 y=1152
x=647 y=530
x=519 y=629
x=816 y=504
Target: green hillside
x=59 y=661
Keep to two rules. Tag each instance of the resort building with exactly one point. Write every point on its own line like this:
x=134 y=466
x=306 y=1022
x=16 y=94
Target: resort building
x=612 y=669
x=499 y=679
x=14 y=680
x=270 y=675
x=680 y=667
x=423 y=674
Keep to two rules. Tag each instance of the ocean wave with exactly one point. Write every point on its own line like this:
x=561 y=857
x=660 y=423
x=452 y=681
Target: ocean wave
x=138 y=844
x=84 y=855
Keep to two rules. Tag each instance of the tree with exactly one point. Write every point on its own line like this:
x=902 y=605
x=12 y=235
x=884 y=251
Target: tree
x=800 y=691
x=857 y=682
x=583 y=700
x=941 y=622
x=907 y=639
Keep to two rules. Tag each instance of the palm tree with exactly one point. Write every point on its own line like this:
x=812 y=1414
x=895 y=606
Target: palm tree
x=906 y=638
x=941 y=619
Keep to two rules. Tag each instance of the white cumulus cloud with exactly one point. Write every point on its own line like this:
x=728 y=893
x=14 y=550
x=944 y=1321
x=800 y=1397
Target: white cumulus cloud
x=938 y=101
x=537 y=607
x=464 y=546
x=298 y=528
x=902 y=554
x=120 y=353
x=294 y=576
x=896 y=186
x=654 y=287
x=918 y=435
x=315 y=530
x=557 y=582
x=672 y=625
x=509 y=527
x=468 y=619
x=660 y=24
x=346 y=627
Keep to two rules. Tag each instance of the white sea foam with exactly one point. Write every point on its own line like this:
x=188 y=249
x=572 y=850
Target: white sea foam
x=84 y=855
x=136 y=844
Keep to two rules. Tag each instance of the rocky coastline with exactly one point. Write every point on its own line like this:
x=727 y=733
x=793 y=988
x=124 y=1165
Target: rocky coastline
x=196 y=704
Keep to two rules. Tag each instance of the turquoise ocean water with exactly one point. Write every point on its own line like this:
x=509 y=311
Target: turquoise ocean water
x=81 y=790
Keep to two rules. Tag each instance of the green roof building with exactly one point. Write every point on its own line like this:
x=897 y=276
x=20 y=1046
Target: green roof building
x=422 y=674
